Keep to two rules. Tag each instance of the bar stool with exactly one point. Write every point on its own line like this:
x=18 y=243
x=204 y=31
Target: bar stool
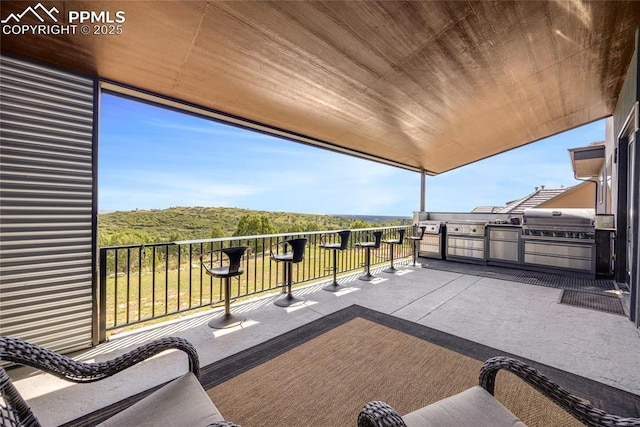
x=226 y=272
x=288 y=259
x=392 y=243
x=416 y=237
x=335 y=247
x=377 y=235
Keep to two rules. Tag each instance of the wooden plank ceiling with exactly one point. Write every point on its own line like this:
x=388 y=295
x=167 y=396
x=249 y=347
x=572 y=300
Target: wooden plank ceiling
x=428 y=85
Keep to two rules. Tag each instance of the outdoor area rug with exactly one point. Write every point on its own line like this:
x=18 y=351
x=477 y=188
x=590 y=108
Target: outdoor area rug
x=322 y=373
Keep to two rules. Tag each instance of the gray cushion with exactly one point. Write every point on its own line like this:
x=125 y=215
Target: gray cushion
x=474 y=407
x=182 y=402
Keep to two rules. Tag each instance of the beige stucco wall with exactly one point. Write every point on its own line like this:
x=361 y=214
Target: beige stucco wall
x=581 y=196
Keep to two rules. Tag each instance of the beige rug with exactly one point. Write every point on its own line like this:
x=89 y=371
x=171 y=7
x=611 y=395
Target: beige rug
x=325 y=381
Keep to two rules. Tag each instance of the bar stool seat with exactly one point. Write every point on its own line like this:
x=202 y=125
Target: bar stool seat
x=335 y=247
x=368 y=245
x=392 y=243
x=234 y=255
x=288 y=259
x=416 y=237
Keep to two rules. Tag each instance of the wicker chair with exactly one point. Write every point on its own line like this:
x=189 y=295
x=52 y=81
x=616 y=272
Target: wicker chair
x=477 y=407
x=161 y=405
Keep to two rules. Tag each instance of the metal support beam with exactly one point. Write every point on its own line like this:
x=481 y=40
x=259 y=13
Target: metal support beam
x=423 y=186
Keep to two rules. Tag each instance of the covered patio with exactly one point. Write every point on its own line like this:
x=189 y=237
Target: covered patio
x=425 y=86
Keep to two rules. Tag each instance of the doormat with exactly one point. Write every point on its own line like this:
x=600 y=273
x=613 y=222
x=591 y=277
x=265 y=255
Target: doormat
x=599 y=302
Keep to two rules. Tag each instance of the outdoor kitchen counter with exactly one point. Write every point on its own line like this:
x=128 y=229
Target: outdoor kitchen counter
x=504 y=245
x=466 y=241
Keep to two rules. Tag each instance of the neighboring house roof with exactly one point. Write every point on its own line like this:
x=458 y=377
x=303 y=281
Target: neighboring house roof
x=538 y=197
x=486 y=209
x=532 y=200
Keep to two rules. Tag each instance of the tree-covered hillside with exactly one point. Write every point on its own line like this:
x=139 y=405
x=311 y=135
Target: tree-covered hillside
x=184 y=223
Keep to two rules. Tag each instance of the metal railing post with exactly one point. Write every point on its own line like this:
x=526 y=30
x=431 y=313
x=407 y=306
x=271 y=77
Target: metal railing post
x=102 y=299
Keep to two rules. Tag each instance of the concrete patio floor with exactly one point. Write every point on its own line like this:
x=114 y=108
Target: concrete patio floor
x=522 y=319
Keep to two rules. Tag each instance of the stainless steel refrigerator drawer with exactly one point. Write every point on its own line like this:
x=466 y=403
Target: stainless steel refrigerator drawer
x=465 y=252
x=558 y=249
x=467 y=243
x=504 y=251
x=558 y=262
x=502 y=234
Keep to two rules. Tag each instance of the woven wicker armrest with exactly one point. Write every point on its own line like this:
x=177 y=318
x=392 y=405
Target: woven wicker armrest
x=577 y=407
x=24 y=353
x=379 y=414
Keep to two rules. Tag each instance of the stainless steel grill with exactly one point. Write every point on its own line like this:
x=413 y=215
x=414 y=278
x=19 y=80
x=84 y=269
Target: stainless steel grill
x=432 y=243
x=559 y=238
x=567 y=225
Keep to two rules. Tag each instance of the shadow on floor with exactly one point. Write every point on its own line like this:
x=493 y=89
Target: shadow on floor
x=595 y=294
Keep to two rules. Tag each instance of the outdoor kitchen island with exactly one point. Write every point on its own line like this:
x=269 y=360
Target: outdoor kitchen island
x=549 y=240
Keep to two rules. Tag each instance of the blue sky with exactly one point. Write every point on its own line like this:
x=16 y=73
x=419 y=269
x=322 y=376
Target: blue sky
x=154 y=158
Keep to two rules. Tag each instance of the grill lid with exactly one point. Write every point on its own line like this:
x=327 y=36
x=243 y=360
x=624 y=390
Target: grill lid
x=533 y=217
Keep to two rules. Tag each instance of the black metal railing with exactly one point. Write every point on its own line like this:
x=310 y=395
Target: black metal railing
x=140 y=283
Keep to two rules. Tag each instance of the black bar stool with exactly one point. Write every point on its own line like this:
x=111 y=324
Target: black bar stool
x=335 y=247
x=377 y=235
x=288 y=259
x=226 y=272
x=416 y=237
x=392 y=243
